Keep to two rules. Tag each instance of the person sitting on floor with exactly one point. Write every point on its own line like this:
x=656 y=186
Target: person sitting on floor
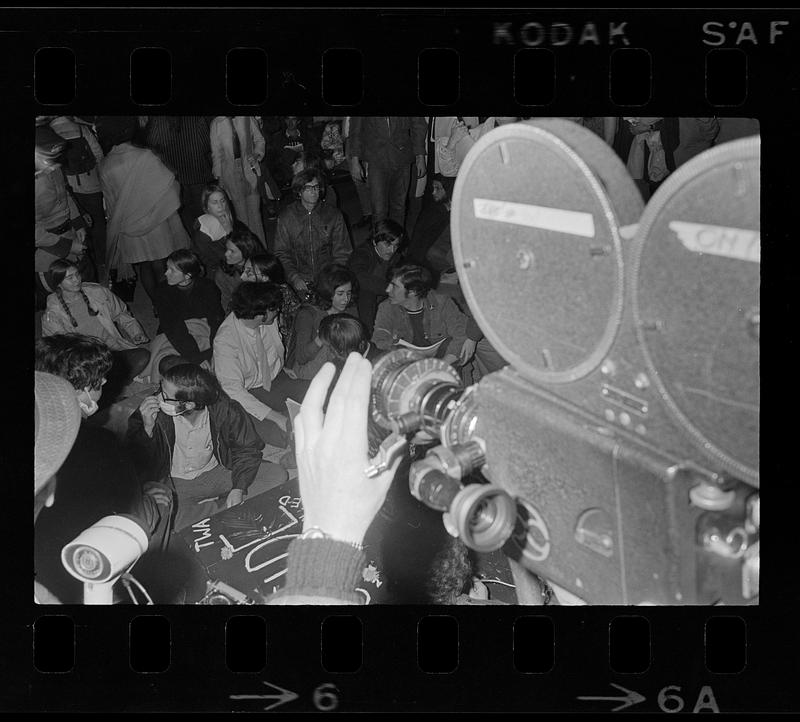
x=417 y=314
x=213 y=227
x=370 y=263
x=203 y=443
x=334 y=292
x=189 y=313
x=240 y=246
x=248 y=360
x=93 y=310
x=266 y=268
x=310 y=233
x=97 y=477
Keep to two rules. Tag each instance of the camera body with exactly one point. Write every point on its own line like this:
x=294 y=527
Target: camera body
x=624 y=432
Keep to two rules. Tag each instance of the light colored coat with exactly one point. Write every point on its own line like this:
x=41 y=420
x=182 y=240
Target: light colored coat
x=111 y=312
x=251 y=142
x=236 y=362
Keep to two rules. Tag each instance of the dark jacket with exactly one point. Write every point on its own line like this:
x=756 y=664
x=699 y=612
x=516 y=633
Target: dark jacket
x=370 y=272
x=305 y=242
x=97 y=479
x=212 y=253
x=236 y=445
x=388 y=141
x=175 y=306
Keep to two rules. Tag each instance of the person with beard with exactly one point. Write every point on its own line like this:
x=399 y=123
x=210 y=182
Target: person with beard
x=433 y=221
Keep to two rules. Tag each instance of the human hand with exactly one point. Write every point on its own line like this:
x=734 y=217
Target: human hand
x=149 y=410
x=80 y=234
x=278 y=419
x=77 y=249
x=207 y=366
x=356 y=171
x=337 y=495
x=160 y=493
x=291 y=374
x=638 y=127
x=458 y=132
x=300 y=286
x=235 y=497
x=422 y=170
x=467 y=351
x=450 y=358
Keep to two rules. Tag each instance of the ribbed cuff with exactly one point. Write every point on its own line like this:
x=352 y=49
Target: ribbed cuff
x=324 y=567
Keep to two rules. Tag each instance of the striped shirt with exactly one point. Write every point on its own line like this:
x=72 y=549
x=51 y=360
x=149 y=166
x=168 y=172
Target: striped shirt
x=184 y=145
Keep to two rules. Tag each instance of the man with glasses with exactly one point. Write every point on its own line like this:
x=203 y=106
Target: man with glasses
x=310 y=233
x=194 y=438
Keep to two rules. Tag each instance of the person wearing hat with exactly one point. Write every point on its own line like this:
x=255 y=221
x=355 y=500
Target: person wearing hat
x=96 y=477
x=60 y=229
x=57 y=419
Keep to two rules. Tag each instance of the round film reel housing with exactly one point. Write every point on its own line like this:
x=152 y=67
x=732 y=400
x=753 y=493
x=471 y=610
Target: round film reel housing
x=537 y=209
x=696 y=295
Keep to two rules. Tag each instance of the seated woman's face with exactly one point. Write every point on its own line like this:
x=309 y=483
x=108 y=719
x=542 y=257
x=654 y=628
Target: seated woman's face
x=341 y=297
x=217 y=204
x=71 y=281
x=233 y=256
x=253 y=275
x=174 y=275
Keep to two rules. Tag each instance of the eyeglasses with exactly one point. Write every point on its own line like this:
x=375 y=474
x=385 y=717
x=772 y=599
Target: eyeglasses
x=310 y=187
x=166 y=398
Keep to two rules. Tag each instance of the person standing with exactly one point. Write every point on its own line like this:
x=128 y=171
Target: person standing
x=184 y=144
x=142 y=200
x=382 y=151
x=237 y=148
x=81 y=159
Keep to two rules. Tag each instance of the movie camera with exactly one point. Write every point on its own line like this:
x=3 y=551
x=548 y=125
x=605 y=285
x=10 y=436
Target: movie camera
x=616 y=456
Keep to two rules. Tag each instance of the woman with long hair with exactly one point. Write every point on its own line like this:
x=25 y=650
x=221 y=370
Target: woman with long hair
x=240 y=246
x=333 y=294
x=266 y=268
x=189 y=313
x=212 y=228
x=93 y=310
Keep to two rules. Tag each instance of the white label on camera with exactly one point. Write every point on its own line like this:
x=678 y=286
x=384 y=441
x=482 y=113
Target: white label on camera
x=737 y=243
x=576 y=223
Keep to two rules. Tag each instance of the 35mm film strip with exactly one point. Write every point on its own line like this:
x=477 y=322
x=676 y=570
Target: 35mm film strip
x=408 y=658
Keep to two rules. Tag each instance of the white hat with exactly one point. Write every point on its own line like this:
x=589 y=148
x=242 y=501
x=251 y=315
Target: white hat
x=56 y=424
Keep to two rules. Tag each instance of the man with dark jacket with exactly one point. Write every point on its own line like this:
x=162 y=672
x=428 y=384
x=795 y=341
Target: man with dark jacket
x=310 y=233
x=208 y=449
x=370 y=263
x=381 y=151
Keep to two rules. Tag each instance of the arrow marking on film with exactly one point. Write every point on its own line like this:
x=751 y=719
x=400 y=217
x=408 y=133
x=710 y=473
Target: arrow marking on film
x=283 y=697
x=631 y=698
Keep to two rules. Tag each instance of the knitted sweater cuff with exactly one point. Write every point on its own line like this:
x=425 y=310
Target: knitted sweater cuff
x=324 y=567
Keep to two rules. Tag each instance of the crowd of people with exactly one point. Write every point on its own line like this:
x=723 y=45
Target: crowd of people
x=231 y=227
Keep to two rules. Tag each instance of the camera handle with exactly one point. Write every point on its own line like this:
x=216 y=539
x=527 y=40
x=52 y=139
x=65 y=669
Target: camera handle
x=391 y=449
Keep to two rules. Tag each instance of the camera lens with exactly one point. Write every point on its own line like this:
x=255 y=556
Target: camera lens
x=88 y=562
